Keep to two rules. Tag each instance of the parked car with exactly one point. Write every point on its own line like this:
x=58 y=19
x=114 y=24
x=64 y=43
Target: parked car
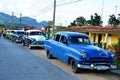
x=17 y=36
x=33 y=38
x=78 y=50
x=9 y=34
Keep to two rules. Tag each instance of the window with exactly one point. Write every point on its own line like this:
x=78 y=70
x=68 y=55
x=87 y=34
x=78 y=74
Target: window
x=35 y=33
x=63 y=39
x=25 y=33
x=57 y=38
x=79 y=40
x=18 y=33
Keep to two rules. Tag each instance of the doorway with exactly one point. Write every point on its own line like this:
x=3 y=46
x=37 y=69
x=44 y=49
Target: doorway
x=99 y=38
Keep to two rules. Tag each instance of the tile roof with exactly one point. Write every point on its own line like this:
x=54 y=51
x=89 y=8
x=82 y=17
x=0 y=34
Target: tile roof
x=93 y=29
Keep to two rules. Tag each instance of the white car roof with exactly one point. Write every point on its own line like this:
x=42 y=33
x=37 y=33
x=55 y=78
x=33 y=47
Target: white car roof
x=33 y=31
x=10 y=30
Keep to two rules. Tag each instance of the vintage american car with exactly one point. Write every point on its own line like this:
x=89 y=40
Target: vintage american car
x=9 y=34
x=78 y=50
x=33 y=38
x=17 y=36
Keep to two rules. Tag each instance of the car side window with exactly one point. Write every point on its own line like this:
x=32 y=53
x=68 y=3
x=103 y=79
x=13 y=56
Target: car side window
x=26 y=33
x=63 y=40
x=57 y=37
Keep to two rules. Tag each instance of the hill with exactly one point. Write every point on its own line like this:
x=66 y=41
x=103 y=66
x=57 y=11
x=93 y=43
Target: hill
x=25 y=21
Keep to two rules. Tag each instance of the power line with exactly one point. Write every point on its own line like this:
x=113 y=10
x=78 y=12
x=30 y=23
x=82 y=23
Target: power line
x=69 y=3
x=44 y=10
x=48 y=8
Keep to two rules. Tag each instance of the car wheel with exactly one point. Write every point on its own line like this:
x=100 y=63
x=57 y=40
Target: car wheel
x=23 y=43
x=12 y=40
x=49 y=55
x=74 y=67
x=30 y=47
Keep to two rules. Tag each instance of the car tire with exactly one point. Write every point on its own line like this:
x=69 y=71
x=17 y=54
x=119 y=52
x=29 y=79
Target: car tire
x=30 y=47
x=49 y=55
x=23 y=43
x=74 y=67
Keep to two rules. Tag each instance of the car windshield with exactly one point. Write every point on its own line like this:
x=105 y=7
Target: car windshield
x=20 y=33
x=12 y=31
x=79 y=40
x=36 y=33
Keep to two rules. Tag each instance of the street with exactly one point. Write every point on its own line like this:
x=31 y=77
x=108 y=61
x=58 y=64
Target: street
x=19 y=63
x=84 y=74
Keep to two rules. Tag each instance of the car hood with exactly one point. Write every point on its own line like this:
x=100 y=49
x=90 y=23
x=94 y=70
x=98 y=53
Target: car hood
x=91 y=50
x=38 y=38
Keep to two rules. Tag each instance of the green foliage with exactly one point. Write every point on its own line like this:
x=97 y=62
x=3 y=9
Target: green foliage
x=113 y=21
x=116 y=50
x=116 y=47
x=81 y=21
x=1 y=26
x=95 y=20
x=117 y=62
x=73 y=24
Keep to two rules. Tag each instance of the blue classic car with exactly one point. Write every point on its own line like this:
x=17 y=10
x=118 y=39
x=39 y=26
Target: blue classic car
x=77 y=50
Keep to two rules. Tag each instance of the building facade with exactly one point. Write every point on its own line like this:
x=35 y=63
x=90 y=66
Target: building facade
x=101 y=36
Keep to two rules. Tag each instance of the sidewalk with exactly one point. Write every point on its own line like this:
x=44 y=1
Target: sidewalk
x=117 y=72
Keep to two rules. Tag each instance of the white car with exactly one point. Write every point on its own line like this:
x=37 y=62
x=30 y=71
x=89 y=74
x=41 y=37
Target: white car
x=33 y=38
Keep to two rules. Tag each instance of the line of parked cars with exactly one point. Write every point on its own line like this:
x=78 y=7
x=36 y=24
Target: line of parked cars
x=30 y=38
x=72 y=48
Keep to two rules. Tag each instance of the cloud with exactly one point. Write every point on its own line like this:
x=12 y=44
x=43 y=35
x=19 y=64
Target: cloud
x=65 y=14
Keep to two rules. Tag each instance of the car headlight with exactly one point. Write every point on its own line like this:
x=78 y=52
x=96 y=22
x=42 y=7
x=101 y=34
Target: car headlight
x=32 y=39
x=112 y=55
x=83 y=55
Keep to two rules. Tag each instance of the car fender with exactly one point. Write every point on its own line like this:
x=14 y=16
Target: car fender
x=47 y=46
x=72 y=53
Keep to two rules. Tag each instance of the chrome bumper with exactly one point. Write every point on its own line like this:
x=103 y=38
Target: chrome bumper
x=36 y=45
x=18 y=40
x=97 y=67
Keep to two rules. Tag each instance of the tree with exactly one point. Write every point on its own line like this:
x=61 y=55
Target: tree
x=80 y=21
x=1 y=25
x=73 y=23
x=113 y=21
x=95 y=20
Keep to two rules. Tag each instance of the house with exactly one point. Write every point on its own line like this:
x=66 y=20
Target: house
x=98 y=34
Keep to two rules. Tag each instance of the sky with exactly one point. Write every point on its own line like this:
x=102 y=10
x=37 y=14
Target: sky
x=42 y=10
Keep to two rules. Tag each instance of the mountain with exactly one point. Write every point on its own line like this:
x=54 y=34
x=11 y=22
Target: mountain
x=25 y=21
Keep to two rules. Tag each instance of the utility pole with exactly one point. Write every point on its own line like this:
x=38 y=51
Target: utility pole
x=20 y=20
x=54 y=13
x=102 y=11
x=12 y=23
x=116 y=7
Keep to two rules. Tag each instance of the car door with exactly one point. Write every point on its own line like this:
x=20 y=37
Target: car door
x=54 y=45
x=26 y=38
x=62 y=47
